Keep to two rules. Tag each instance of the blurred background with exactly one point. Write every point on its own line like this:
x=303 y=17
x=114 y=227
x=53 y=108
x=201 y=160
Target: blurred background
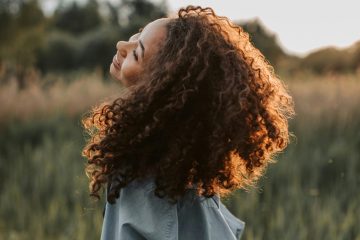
x=54 y=61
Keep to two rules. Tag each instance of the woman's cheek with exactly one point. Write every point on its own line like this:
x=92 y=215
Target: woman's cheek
x=130 y=72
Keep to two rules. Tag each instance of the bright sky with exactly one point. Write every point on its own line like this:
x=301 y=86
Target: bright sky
x=301 y=26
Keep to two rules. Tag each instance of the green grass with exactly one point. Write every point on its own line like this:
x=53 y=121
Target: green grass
x=43 y=185
x=312 y=192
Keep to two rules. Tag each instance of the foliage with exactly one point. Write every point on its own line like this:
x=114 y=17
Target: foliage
x=77 y=19
x=140 y=12
x=264 y=40
x=328 y=60
x=22 y=34
x=58 y=53
x=64 y=52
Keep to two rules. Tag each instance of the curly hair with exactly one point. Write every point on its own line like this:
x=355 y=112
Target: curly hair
x=212 y=116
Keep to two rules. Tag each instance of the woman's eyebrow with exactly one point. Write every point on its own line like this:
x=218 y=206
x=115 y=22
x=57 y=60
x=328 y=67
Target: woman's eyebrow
x=142 y=48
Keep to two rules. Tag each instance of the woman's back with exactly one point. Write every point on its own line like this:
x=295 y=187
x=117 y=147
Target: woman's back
x=139 y=214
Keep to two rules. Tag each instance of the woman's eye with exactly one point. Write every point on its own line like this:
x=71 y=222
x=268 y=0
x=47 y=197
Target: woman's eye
x=135 y=55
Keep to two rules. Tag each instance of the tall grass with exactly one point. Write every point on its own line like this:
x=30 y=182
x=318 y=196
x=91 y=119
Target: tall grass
x=312 y=192
x=43 y=187
x=54 y=95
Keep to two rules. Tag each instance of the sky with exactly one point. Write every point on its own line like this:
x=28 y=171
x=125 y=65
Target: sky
x=301 y=26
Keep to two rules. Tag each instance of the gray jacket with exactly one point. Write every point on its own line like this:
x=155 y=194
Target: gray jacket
x=139 y=214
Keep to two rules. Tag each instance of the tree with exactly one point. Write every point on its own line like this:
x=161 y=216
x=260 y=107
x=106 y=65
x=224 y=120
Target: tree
x=265 y=41
x=22 y=33
x=77 y=19
x=140 y=12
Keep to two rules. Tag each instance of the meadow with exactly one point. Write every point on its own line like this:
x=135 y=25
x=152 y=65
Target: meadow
x=311 y=192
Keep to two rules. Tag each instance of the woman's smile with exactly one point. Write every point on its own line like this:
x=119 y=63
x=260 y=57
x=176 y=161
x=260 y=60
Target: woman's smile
x=116 y=63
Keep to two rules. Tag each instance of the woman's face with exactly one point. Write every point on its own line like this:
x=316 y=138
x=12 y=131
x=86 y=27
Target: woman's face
x=133 y=55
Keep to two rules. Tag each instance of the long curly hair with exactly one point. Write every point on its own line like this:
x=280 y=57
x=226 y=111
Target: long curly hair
x=212 y=116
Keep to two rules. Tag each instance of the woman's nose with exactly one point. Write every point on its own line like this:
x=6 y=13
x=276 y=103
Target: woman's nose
x=121 y=47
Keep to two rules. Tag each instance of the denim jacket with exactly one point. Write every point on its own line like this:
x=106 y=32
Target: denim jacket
x=139 y=214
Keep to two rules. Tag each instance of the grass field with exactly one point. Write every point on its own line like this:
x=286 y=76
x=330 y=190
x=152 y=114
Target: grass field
x=312 y=192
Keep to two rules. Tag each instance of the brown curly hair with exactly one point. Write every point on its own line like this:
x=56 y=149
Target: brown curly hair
x=212 y=116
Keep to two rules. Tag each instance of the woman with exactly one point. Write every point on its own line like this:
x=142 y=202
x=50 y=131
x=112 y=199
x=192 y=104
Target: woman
x=203 y=116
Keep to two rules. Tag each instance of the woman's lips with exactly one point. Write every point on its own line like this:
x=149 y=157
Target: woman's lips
x=116 y=63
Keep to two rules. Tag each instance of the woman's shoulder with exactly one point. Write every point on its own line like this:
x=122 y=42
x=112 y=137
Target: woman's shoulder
x=202 y=217
x=138 y=211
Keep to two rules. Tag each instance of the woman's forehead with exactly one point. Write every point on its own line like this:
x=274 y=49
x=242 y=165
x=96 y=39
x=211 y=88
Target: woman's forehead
x=152 y=32
x=134 y=37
